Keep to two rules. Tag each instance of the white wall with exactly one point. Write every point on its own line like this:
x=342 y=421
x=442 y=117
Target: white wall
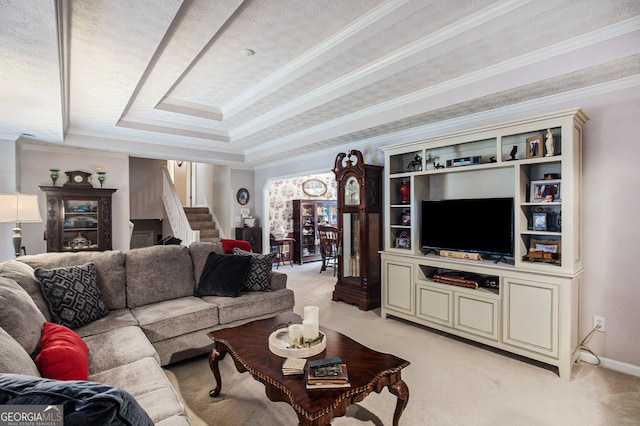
x=8 y=184
x=244 y=179
x=145 y=186
x=36 y=160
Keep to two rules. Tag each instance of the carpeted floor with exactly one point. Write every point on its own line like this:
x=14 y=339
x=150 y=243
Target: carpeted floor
x=451 y=381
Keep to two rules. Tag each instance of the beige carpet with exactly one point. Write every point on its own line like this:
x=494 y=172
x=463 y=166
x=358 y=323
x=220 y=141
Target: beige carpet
x=451 y=381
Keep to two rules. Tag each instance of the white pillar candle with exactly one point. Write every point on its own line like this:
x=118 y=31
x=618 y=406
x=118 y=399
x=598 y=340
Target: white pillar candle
x=312 y=313
x=295 y=334
x=310 y=329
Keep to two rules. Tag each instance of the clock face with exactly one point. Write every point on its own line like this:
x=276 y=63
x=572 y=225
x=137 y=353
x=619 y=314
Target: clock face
x=78 y=178
x=352 y=192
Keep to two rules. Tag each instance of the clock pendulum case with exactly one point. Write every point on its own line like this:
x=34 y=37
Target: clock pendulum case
x=359 y=230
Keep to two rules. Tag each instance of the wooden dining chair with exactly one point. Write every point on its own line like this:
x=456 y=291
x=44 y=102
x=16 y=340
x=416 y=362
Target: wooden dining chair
x=328 y=236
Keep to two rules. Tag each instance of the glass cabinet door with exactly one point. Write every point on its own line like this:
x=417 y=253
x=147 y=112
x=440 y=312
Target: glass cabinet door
x=308 y=231
x=351 y=245
x=80 y=224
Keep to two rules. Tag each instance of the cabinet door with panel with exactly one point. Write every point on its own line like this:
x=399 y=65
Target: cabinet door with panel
x=307 y=216
x=531 y=315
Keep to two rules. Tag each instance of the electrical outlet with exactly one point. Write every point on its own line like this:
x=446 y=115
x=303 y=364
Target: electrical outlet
x=599 y=321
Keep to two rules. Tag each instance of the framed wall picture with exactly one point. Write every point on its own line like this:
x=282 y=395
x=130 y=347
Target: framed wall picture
x=314 y=187
x=535 y=146
x=545 y=191
x=242 y=196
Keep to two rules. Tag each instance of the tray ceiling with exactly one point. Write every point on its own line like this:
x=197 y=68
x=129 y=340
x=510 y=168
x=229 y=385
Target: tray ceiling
x=252 y=82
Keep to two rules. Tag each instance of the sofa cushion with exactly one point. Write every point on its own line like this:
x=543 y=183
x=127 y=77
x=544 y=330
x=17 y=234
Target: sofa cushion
x=19 y=315
x=73 y=294
x=22 y=274
x=109 y=267
x=118 y=347
x=114 y=320
x=171 y=318
x=158 y=273
x=148 y=384
x=83 y=403
x=199 y=252
x=259 y=273
x=13 y=357
x=223 y=275
x=229 y=245
x=252 y=304
x=62 y=354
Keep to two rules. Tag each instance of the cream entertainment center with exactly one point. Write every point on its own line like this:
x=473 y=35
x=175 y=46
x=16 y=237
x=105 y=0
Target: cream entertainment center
x=503 y=268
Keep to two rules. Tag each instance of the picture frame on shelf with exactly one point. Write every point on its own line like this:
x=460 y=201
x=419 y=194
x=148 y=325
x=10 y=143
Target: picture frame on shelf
x=402 y=240
x=545 y=191
x=535 y=146
x=539 y=221
x=545 y=246
x=544 y=251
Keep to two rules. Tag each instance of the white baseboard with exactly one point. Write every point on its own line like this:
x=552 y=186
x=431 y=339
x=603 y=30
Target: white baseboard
x=611 y=364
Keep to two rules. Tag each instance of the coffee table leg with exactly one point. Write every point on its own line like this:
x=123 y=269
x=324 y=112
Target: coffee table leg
x=400 y=390
x=214 y=357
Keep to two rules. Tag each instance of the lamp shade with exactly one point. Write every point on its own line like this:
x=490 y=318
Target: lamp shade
x=19 y=208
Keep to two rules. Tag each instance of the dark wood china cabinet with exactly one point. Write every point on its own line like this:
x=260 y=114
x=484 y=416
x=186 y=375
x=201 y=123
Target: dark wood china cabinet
x=78 y=218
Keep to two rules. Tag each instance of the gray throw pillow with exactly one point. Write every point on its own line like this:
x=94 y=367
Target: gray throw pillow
x=222 y=275
x=258 y=277
x=73 y=294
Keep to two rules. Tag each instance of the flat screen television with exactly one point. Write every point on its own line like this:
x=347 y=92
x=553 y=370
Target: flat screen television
x=482 y=225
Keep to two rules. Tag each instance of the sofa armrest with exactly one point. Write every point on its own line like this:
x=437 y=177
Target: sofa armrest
x=278 y=280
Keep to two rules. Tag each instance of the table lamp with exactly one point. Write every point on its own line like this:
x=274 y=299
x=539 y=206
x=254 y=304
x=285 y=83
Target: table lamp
x=19 y=208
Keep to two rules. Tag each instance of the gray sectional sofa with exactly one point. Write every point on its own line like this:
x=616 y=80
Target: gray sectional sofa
x=154 y=319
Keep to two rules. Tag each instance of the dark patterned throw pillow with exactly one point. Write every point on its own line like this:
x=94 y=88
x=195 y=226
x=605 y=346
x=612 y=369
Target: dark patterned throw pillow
x=258 y=276
x=73 y=294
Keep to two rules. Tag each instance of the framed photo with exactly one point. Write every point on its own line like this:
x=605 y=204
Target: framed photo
x=539 y=221
x=535 y=146
x=545 y=191
x=314 y=187
x=242 y=196
x=545 y=246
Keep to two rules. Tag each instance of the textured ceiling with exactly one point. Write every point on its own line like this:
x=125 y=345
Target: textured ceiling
x=171 y=79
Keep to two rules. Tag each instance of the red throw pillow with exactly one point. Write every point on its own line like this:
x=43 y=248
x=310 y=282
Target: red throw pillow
x=229 y=245
x=63 y=355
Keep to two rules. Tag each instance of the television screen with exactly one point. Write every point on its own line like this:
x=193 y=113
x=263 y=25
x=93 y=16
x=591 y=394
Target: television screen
x=471 y=225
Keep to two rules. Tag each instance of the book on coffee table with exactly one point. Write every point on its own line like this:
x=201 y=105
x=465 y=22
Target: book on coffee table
x=334 y=376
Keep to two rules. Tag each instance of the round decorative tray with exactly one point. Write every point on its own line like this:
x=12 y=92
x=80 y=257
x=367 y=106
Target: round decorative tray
x=279 y=345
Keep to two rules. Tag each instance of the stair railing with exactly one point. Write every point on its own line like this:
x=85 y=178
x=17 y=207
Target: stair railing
x=180 y=226
x=214 y=218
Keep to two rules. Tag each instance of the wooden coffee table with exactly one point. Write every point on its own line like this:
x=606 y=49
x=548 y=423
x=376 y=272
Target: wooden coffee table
x=368 y=370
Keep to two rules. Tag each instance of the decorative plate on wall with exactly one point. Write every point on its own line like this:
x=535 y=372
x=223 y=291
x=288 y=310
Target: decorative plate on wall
x=314 y=187
x=242 y=196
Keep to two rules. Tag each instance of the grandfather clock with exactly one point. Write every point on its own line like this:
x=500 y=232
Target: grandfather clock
x=359 y=230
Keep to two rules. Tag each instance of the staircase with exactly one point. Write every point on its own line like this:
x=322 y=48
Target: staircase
x=201 y=220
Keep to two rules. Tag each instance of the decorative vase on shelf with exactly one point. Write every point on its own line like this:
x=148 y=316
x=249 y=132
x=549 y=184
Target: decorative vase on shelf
x=403 y=189
x=101 y=178
x=54 y=174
